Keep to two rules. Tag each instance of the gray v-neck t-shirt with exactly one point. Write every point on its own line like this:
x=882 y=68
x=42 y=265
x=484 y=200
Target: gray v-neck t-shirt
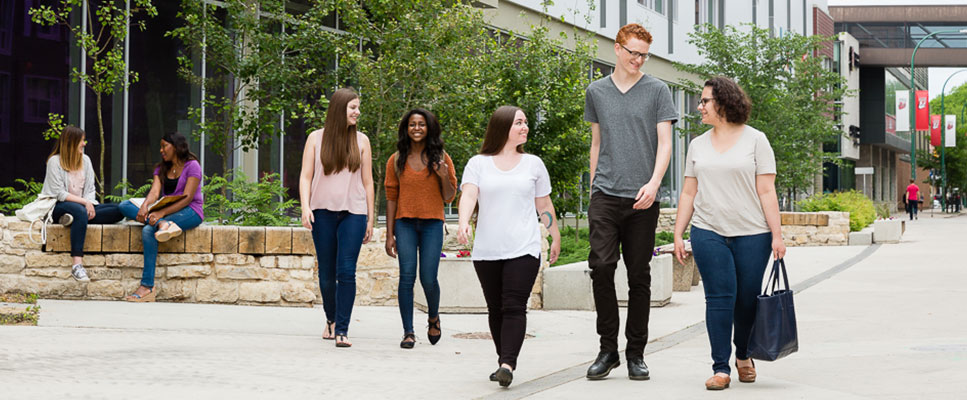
x=629 y=132
x=727 y=202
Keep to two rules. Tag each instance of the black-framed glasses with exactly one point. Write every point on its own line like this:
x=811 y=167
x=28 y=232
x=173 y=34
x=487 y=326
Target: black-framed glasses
x=635 y=54
x=704 y=100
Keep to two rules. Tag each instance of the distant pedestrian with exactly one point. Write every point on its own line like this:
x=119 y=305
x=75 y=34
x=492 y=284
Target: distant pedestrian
x=336 y=193
x=631 y=116
x=70 y=179
x=178 y=174
x=912 y=199
x=512 y=189
x=420 y=178
x=729 y=195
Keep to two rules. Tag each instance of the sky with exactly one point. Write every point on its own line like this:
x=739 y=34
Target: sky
x=937 y=76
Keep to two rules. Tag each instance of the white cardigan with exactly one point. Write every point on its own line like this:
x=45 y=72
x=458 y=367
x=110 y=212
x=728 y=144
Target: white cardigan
x=57 y=180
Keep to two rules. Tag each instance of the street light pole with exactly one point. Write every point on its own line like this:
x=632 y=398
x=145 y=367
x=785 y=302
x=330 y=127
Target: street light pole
x=943 y=141
x=913 y=89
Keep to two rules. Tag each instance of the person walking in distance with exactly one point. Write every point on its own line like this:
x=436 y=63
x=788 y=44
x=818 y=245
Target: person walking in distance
x=913 y=199
x=631 y=116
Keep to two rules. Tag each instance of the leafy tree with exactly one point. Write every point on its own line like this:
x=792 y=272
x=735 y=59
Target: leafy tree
x=245 y=44
x=955 y=158
x=103 y=44
x=538 y=74
x=792 y=94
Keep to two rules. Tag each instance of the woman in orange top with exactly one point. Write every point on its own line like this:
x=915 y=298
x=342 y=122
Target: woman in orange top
x=420 y=178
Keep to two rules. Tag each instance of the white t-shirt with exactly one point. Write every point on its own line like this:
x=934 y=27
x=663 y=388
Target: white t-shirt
x=507 y=222
x=727 y=202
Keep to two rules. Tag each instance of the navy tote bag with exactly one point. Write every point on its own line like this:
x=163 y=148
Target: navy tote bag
x=774 y=333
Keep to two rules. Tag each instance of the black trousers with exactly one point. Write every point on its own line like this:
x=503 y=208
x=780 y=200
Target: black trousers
x=506 y=286
x=612 y=222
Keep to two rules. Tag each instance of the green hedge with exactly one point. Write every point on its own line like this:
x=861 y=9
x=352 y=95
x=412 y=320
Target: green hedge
x=860 y=208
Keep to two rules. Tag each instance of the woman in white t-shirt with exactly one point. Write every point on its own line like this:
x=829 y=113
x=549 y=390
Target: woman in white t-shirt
x=730 y=197
x=512 y=190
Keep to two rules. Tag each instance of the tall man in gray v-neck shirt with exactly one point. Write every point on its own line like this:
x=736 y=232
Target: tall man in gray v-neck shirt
x=631 y=115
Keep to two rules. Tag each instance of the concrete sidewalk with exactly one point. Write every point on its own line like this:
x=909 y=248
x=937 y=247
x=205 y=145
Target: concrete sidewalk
x=854 y=328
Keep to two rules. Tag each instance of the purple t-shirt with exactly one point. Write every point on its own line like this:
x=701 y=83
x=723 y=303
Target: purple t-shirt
x=192 y=169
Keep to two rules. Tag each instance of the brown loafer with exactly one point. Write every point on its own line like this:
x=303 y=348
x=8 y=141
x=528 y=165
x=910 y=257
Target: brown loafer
x=717 y=382
x=746 y=374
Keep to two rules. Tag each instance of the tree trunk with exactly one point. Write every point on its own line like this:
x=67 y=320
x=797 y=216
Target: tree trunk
x=100 y=126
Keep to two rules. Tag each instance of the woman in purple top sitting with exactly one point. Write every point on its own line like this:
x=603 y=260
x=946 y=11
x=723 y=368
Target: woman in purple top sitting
x=178 y=173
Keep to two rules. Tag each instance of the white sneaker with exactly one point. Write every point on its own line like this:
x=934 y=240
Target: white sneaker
x=79 y=273
x=66 y=219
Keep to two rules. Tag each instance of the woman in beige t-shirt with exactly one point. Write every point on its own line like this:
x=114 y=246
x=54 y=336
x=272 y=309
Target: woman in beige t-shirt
x=729 y=195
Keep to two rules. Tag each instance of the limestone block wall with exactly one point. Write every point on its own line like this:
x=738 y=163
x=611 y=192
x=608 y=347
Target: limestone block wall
x=208 y=264
x=823 y=228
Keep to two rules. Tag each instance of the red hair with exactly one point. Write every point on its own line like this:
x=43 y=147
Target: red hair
x=633 y=31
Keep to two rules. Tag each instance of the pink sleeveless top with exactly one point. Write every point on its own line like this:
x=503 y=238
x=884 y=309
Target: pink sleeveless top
x=340 y=191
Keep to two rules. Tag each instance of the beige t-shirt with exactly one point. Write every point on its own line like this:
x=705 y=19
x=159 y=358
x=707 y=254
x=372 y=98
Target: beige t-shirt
x=727 y=202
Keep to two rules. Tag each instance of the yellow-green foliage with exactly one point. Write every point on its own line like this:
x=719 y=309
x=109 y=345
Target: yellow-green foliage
x=860 y=208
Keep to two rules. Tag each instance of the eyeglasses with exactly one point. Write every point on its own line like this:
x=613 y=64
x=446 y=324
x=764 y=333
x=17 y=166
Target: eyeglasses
x=704 y=100
x=635 y=54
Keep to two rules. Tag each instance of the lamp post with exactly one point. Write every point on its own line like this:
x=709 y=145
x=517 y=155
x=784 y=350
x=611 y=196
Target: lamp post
x=913 y=89
x=943 y=141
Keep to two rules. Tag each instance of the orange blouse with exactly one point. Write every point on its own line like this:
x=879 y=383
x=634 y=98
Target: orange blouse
x=417 y=193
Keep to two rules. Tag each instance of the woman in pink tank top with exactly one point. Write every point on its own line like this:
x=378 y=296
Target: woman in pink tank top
x=336 y=193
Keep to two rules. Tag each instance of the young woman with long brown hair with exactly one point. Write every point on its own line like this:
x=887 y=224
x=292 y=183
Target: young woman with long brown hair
x=512 y=189
x=336 y=193
x=70 y=179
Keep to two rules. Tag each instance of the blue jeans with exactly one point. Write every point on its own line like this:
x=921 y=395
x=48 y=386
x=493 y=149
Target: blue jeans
x=338 y=236
x=186 y=218
x=732 y=269
x=423 y=239
x=103 y=214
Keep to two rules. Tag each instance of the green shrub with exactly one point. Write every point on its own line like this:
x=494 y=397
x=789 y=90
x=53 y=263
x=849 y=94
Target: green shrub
x=12 y=199
x=131 y=191
x=860 y=208
x=884 y=210
x=262 y=203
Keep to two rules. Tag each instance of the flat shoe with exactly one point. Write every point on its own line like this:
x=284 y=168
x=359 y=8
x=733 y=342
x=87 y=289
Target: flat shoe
x=717 y=382
x=746 y=374
x=167 y=234
x=504 y=376
x=433 y=325
x=408 y=344
x=330 y=332
x=343 y=341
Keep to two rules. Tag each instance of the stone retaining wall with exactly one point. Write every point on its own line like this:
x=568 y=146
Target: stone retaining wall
x=208 y=264
x=824 y=228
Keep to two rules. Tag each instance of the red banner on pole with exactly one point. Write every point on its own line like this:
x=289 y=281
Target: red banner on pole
x=923 y=110
x=935 y=130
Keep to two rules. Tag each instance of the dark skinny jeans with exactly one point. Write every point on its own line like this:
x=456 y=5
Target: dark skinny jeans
x=103 y=214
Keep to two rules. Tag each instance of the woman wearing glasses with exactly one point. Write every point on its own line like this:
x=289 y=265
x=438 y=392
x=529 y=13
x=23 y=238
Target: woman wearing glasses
x=730 y=197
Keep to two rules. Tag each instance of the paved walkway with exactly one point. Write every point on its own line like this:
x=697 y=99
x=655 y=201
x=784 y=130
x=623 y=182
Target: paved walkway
x=883 y=321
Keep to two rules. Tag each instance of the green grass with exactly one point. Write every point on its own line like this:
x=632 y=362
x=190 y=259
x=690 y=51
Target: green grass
x=576 y=249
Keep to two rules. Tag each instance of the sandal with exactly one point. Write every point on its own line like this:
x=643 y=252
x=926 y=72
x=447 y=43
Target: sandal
x=148 y=298
x=409 y=340
x=329 y=332
x=170 y=231
x=434 y=325
x=343 y=341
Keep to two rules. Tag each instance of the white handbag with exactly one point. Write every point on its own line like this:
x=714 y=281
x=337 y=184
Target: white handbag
x=40 y=210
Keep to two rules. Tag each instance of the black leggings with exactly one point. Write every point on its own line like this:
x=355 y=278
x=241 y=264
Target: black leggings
x=506 y=286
